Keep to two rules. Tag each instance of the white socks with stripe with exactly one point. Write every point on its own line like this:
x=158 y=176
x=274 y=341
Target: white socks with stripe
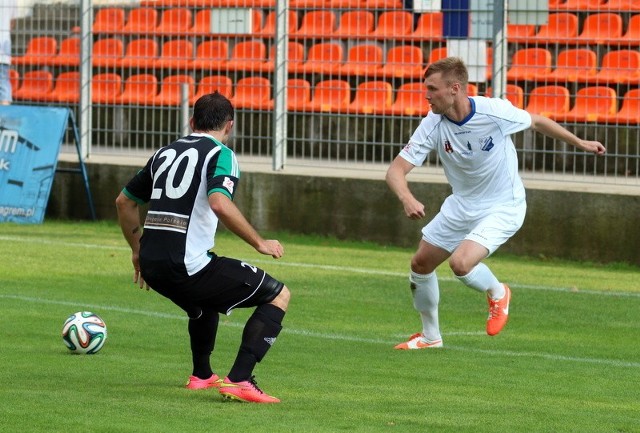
x=482 y=279
x=426 y=296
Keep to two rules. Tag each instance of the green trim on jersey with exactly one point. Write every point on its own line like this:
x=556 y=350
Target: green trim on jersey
x=226 y=165
x=132 y=197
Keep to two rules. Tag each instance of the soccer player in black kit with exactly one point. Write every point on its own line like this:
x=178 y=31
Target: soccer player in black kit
x=189 y=186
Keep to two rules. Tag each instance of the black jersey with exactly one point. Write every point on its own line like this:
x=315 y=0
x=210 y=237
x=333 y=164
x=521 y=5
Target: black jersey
x=180 y=226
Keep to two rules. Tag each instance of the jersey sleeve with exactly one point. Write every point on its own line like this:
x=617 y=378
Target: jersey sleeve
x=139 y=187
x=510 y=118
x=223 y=173
x=422 y=141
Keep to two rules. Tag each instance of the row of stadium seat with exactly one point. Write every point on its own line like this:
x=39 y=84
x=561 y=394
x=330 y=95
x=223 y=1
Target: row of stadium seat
x=562 y=28
x=591 y=104
x=302 y=4
x=401 y=61
x=573 y=5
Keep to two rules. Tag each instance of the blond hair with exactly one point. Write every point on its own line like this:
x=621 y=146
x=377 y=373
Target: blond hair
x=452 y=69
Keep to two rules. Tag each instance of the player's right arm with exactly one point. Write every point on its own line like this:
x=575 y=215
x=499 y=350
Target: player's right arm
x=397 y=180
x=129 y=220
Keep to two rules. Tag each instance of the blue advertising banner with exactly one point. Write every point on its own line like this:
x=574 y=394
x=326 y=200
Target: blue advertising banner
x=455 y=19
x=30 y=139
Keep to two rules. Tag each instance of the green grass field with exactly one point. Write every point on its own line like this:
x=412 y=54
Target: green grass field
x=568 y=361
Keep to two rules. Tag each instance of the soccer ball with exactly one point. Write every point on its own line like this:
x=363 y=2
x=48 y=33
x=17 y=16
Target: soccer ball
x=84 y=332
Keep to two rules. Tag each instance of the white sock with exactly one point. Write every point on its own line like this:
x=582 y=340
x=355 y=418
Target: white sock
x=482 y=279
x=426 y=296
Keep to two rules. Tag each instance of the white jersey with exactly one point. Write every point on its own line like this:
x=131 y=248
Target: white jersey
x=477 y=154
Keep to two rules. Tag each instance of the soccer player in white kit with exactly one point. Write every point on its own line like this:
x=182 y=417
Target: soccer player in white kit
x=471 y=136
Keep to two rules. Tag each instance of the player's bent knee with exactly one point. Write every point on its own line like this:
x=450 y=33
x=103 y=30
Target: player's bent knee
x=282 y=300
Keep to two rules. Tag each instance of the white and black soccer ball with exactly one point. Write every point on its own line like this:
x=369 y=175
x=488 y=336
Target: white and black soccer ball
x=84 y=332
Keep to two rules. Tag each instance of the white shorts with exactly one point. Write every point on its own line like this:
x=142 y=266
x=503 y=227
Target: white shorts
x=489 y=227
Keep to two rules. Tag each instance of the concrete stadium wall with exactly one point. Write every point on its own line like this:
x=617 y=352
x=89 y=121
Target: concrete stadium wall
x=596 y=227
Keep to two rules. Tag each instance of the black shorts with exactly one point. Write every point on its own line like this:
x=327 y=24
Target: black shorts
x=224 y=284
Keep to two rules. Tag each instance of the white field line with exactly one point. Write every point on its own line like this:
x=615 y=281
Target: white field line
x=367 y=271
x=339 y=337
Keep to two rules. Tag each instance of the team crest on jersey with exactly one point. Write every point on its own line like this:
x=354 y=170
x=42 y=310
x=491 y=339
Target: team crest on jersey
x=447 y=146
x=486 y=143
x=228 y=184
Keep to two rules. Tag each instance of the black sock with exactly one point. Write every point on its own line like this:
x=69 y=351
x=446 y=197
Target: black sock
x=202 y=335
x=259 y=334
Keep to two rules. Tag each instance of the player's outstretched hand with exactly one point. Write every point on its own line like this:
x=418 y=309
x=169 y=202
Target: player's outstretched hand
x=271 y=248
x=594 y=146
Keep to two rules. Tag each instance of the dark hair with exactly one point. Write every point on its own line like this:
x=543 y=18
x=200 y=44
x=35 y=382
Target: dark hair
x=452 y=68
x=211 y=112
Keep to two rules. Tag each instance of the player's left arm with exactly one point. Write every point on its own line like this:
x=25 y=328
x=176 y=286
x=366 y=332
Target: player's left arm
x=550 y=128
x=234 y=220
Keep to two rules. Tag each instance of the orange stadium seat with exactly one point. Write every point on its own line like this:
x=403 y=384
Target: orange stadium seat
x=66 y=89
x=623 y=5
x=250 y=55
x=298 y=94
x=581 y=5
x=317 y=22
x=384 y=4
x=211 y=55
x=362 y=59
x=108 y=52
x=295 y=55
x=411 y=100
x=404 y=61
x=629 y=111
x=437 y=54
x=355 y=24
x=372 y=97
x=561 y=28
x=108 y=20
x=330 y=96
x=36 y=85
x=324 y=57
x=139 y=89
x=577 y=64
x=201 y=22
x=632 y=36
x=393 y=24
x=591 y=105
x=619 y=67
x=213 y=83
x=269 y=28
x=429 y=27
x=175 y=21
x=529 y=64
x=514 y=94
x=171 y=90
x=253 y=93
x=69 y=53
x=175 y=54
x=309 y=4
x=142 y=20
x=548 y=100
x=600 y=28
x=40 y=51
x=105 y=88
x=520 y=32
x=139 y=54
x=553 y=4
